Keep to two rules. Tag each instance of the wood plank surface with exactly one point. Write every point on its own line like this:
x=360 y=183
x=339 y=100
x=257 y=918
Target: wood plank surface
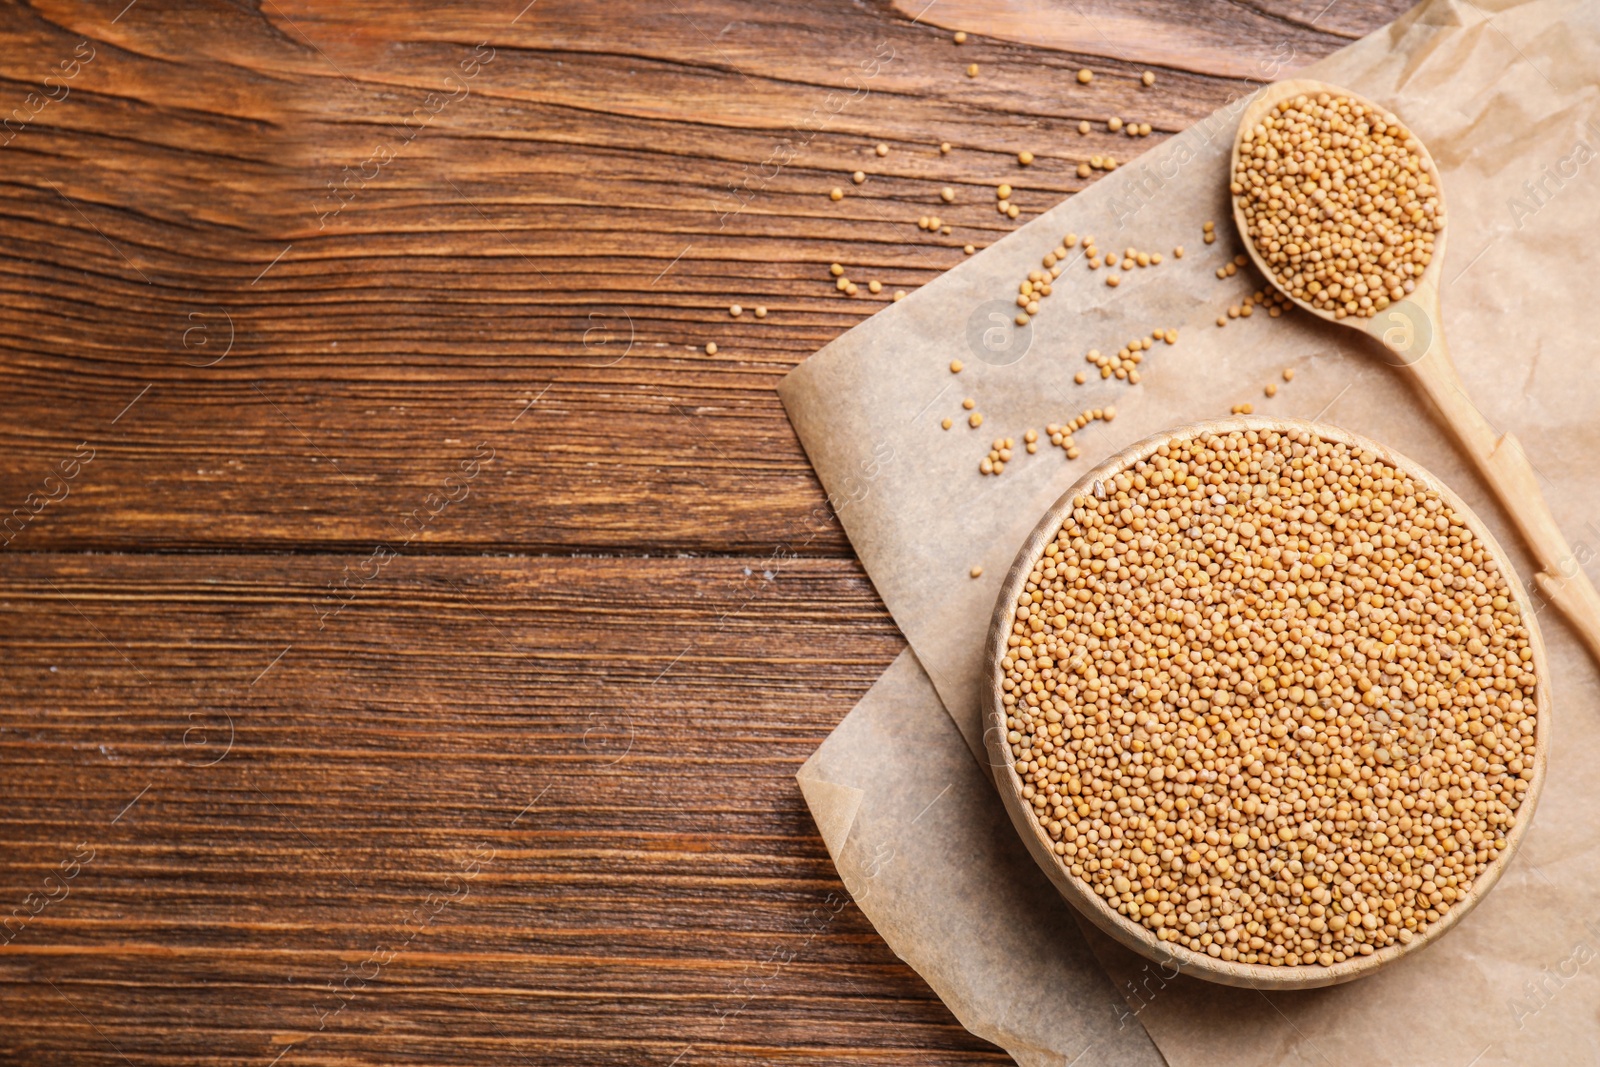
x=408 y=631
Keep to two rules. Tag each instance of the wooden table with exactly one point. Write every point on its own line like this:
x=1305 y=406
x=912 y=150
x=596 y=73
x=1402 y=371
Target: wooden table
x=410 y=632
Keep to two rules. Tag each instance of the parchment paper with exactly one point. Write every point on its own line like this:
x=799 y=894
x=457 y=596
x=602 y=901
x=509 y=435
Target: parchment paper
x=1505 y=96
x=913 y=835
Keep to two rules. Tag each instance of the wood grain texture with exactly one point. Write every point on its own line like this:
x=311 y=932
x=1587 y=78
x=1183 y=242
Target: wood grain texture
x=358 y=412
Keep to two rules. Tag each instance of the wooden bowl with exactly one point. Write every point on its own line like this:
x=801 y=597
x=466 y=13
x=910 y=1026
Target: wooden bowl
x=1135 y=935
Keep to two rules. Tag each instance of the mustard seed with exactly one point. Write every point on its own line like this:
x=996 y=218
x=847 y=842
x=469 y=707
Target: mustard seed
x=976 y=572
x=1148 y=78
x=975 y=419
x=899 y=295
x=947 y=194
x=1340 y=202
x=944 y=148
x=882 y=149
x=1084 y=127
x=1114 y=124
x=1271 y=389
x=969 y=403
x=1113 y=280
x=955 y=366
x=735 y=310
x=836 y=193
x=960 y=37
x=1085 y=76
x=836 y=270
x=711 y=348
x=874 y=286
x=858 y=177
x=968 y=249
x=945 y=423
x=1288 y=374
x=972 y=70
x=1283 y=780
x=761 y=312
x=1025 y=158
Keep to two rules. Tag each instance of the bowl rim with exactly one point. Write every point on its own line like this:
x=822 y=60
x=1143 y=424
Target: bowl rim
x=1033 y=833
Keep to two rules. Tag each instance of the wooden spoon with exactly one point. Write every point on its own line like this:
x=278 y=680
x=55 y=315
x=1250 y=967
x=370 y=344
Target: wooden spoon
x=1412 y=332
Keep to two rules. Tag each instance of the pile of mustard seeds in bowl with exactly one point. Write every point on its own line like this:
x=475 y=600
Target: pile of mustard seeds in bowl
x=1268 y=696
x=1340 y=201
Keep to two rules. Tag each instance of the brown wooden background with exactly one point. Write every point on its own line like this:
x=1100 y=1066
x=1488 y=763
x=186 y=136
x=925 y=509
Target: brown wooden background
x=527 y=796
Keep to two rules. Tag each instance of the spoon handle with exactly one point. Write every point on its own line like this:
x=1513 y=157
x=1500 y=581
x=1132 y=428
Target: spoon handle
x=1503 y=464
